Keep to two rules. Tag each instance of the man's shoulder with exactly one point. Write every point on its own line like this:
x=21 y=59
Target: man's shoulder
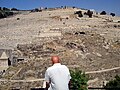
x=53 y=67
x=64 y=66
x=49 y=68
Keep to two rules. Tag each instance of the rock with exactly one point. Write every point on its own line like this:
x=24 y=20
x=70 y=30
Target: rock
x=78 y=33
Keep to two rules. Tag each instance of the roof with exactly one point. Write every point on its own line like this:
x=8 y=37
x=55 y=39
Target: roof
x=4 y=56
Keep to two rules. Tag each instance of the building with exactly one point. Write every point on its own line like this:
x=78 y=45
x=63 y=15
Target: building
x=4 y=61
x=5 y=58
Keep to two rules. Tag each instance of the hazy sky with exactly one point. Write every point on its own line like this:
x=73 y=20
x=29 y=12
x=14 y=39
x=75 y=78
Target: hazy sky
x=98 y=5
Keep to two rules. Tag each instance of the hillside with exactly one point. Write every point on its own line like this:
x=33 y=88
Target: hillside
x=90 y=44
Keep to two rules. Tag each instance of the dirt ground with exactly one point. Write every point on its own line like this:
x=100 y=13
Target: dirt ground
x=89 y=44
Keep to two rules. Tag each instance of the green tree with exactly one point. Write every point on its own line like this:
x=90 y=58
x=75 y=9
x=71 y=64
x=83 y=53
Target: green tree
x=14 y=9
x=5 y=12
x=114 y=84
x=6 y=9
x=78 y=80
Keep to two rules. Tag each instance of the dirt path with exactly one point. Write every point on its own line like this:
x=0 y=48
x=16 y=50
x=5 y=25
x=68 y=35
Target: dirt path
x=42 y=79
x=100 y=71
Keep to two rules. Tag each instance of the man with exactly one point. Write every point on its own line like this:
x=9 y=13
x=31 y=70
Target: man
x=57 y=77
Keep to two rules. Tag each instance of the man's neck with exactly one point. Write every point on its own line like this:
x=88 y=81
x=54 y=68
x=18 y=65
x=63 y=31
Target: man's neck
x=57 y=64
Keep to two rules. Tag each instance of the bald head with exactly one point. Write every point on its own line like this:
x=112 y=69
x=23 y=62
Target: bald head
x=55 y=59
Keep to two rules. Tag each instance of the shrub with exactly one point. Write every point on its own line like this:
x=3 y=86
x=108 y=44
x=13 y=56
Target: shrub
x=5 y=13
x=2 y=14
x=79 y=13
x=78 y=80
x=6 y=9
x=8 y=13
x=103 y=13
x=36 y=10
x=61 y=6
x=46 y=8
x=73 y=7
x=112 y=14
x=89 y=13
x=114 y=84
x=14 y=9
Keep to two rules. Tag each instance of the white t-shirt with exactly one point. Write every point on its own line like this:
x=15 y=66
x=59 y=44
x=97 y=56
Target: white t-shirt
x=58 y=76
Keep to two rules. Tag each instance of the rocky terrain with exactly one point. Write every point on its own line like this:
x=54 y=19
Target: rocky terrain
x=89 y=44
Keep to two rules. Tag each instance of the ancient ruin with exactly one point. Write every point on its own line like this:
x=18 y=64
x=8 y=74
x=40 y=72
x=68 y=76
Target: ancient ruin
x=89 y=44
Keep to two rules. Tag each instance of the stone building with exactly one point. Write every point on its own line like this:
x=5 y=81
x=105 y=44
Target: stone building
x=5 y=58
x=4 y=61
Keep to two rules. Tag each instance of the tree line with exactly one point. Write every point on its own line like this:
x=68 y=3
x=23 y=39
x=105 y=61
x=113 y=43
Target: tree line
x=5 y=12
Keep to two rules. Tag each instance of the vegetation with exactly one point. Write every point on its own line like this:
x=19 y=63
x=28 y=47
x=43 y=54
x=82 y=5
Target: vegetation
x=14 y=9
x=79 y=13
x=6 y=9
x=113 y=84
x=78 y=80
x=5 y=12
x=89 y=13
x=103 y=13
x=112 y=14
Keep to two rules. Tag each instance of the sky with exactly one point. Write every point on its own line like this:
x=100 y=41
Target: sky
x=99 y=5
